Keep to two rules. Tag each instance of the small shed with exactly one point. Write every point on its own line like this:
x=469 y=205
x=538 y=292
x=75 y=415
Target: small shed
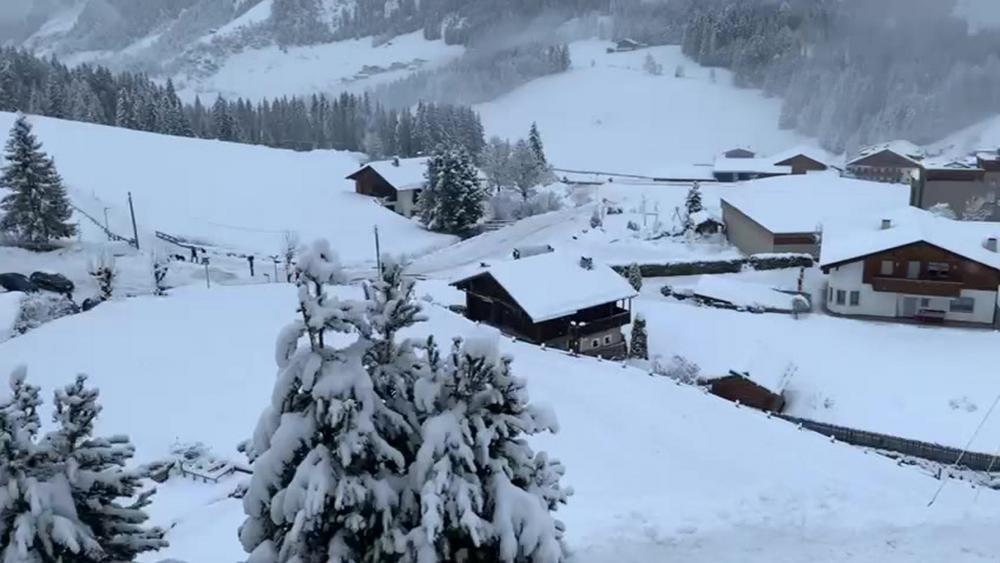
x=397 y=182
x=625 y=45
x=739 y=387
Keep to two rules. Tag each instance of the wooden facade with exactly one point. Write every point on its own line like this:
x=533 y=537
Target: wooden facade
x=739 y=153
x=370 y=183
x=924 y=269
x=487 y=301
x=801 y=164
x=883 y=166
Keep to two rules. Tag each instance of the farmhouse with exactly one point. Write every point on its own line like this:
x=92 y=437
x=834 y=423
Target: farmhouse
x=802 y=160
x=969 y=186
x=912 y=264
x=396 y=183
x=892 y=162
x=553 y=299
x=786 y=214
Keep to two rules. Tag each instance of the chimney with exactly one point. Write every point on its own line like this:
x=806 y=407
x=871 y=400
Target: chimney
x=886 y=224
x=395 y=161
x=991 y=244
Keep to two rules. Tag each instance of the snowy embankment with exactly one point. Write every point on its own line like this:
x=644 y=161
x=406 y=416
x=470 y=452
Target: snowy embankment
x=236 y=196
x=350 y=65
x=660 y=471
x=608 y=114
x=934 y=384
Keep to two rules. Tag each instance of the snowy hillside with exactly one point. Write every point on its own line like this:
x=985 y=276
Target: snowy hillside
x=608 y=114
x=659 y=470
x=240 y=197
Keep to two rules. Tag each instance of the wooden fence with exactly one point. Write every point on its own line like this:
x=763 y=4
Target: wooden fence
x=915 y=448
x=733 y=266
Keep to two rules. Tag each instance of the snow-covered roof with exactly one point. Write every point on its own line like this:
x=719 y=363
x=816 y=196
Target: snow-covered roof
x=853 y=238
x=749 y=165
x=905 y=149
x=815 y=153
x=703 y=216
x=742 y=293
x=680 y=172
x=765 y=366
x=549 y=286
x=944 y=163
x=403 y=174
x=801 y=204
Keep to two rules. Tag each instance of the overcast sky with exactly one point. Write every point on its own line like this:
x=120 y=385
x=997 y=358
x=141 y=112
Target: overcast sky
x=13 y=9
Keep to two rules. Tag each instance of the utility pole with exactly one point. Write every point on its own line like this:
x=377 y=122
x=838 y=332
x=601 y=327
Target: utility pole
x=208 y=279
x=135 y=230
x=107 y=229
x=378 y=252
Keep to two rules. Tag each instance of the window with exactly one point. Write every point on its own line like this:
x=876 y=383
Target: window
x=829 y=296
x=595 y=343
x=855 y=298
x=925 y=302
x=962 y=305
x=841 y=296
x=607 y=340
x=913 y=270
x=888 y=267
x=938 y=270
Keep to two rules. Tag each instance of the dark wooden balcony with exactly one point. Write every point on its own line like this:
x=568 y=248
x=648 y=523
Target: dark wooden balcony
x=619 y=318
x=935 y=288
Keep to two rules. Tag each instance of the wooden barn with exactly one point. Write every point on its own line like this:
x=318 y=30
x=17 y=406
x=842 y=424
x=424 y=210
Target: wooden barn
x=553 y=299
x=738 y=387
x=396 y=183
x=802 y=160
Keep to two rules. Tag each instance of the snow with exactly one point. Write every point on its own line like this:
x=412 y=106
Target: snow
x=903 y=148
x=258 y=14
x=10 y=305
x=742 y=293
x=816 y=153
x=607 y=114
x=553 y=285
x=981 y=15
x=272 y=72
x=241 y=197
x=853 y=238
x=753 y=165
x=802 y=203
x=404 y=174
x=653 y=464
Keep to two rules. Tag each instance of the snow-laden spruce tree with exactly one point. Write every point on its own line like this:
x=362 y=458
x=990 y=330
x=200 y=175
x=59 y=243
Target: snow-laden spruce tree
x=693 y=201
x=105 y=494
x=36 y=209
x=537 y=148
x=485 y=495
x=326 y=475
x=639 y=346
x=38 y=518
x=453 y=201
x=102 y=269
x=634 y=276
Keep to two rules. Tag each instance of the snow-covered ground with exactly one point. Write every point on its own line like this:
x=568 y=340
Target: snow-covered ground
x=348 y=65
x=660 y=471
x=236 y=196
x=607 y=114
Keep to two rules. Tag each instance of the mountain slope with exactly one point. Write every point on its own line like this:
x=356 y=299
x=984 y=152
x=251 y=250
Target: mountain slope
x=242 y=197
x=660 y=471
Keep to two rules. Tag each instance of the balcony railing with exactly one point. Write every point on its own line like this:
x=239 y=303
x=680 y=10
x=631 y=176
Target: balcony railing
x=618 y=319
x=935 y=288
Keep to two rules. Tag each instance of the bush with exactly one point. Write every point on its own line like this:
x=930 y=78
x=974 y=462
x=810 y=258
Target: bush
x=677 y=368
x=40 y=308
x=508 y=205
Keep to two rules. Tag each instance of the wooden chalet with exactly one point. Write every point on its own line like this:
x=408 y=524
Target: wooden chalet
x=396 y=183
x=802 y=160
x=893 y=162
x=626 y=45
x=555 y=300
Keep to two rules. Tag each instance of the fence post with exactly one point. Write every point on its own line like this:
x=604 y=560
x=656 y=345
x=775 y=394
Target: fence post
x=135 y=230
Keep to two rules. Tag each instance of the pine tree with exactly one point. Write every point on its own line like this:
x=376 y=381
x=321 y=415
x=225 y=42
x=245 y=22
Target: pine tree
x=8 y=87
x=484 y=494
x=639 y=347
x=325 y=477
x=453 y=201
x=100 y=484
x=693 y=204
x=537 y=148
x=37 y=209
x=38 y=520
x=526 y=169
x=634 y=275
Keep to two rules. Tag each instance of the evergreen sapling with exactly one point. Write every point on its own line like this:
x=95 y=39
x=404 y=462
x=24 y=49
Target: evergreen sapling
x=639 y=347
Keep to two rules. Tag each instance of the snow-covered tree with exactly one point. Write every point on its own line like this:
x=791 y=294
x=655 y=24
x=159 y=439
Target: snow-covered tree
x=326 y=475
x=105 y=494
x=160 y=268
x=495 y=162
x=8 y=87
x=36 y=208
x=596 y=220
x=693 y=201
x=634 y=276
x=41 y=307
x=537 y=148
x=652 y=67
x=484 y=494
x=979 y=208
x=943 y=210
x=639 y=346
x=453 y=201
x=289 y=248
x=38 y=518
x=102 y=269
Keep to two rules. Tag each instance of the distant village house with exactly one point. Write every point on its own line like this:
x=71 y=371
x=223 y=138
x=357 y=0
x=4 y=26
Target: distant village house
x=912 y=264
x=626 y=45
x=893 y=162
x=555 y=300
x=396 y=183
x=969 y=187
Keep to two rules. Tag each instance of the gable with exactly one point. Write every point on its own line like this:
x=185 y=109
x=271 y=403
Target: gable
x=802 y=162
x=486 y=285
x=885 y=159
x=918 y=250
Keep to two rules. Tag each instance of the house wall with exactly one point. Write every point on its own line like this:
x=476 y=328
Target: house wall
x=406 y=202
x=925 y=193
x=745 y=233
x=976 y=282
x=801 y=164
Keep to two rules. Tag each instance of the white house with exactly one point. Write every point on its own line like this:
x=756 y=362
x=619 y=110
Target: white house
x=912 y=264
x=397 y=183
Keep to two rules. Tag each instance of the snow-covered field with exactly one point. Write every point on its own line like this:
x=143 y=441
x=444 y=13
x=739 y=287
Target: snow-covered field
x=660 y=471
x=607 y=114
x=236 y=196
x=331 y=68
